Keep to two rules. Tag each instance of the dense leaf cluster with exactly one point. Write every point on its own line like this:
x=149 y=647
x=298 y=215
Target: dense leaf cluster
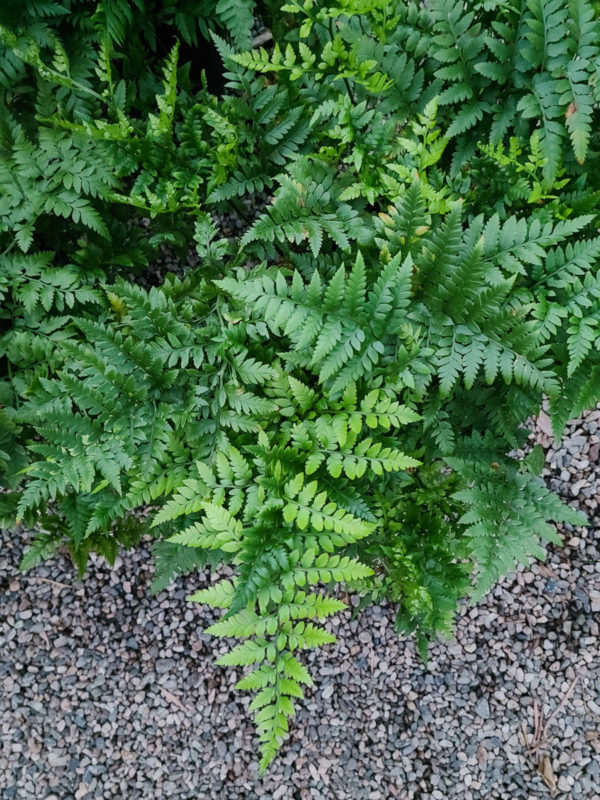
x=392 y=208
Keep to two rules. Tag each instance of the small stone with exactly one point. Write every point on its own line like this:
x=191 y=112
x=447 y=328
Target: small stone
x=563 y=784
x=482 y=708
x=56 y=760
x=576 y=487
x=544 y=423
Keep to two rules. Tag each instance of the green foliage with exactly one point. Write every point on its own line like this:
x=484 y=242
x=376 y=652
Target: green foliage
x=384 y=227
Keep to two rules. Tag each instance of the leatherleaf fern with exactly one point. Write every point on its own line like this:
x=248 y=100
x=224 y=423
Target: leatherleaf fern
x=382 y=225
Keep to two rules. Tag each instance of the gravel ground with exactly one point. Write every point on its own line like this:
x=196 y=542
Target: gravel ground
x=106 y=692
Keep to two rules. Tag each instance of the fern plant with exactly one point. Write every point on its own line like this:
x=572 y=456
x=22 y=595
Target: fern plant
x=385 y=231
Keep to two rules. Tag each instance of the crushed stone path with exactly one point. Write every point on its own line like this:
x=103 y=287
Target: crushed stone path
x=107 y=692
